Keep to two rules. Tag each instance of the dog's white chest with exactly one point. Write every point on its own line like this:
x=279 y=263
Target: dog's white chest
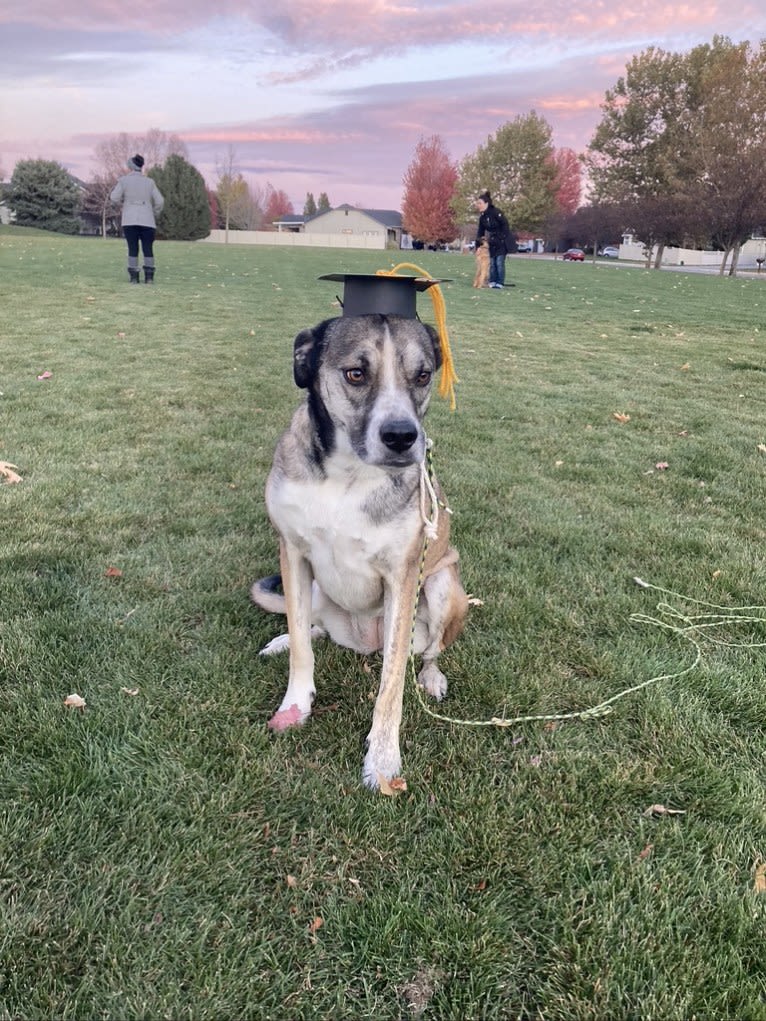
x=332 y=524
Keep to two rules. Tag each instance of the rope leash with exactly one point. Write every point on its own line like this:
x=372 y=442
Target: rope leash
x=691 y=628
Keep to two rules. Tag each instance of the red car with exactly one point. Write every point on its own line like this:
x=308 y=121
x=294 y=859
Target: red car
x=574 y=255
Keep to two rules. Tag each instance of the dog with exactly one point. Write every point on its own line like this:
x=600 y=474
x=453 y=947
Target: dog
x=481 y=277
x=345 y=494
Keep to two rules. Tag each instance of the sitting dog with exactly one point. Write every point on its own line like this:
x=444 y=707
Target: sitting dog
x=346 y=494
x=481 y=277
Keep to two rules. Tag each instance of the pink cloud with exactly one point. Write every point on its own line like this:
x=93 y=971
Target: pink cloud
x=334 y=26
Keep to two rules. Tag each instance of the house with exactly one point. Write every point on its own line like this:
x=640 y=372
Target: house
x=290 y=222
x=383 y=225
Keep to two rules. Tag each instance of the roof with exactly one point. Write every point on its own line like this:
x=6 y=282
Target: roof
x=292 y=218
x=386 y=217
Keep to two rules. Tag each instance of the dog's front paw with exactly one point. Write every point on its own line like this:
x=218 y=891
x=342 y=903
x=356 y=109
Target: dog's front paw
x=292 y=716
x=433 y=680
x=387 y=765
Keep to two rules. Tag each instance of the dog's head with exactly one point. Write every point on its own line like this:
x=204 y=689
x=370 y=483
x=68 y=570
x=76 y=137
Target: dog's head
x=369 y=382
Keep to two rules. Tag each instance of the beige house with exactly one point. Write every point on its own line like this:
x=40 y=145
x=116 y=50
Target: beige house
x=381 y=228
x=344 y=227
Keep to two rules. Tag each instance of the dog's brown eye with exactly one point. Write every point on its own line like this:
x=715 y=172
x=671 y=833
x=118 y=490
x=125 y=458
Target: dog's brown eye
x=354 y=376
x=423 y=378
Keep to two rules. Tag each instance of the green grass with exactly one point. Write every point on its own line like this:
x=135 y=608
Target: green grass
x=147 y=842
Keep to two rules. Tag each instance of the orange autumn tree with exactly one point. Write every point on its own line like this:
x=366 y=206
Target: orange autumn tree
x=429 y=187
x=568 y=181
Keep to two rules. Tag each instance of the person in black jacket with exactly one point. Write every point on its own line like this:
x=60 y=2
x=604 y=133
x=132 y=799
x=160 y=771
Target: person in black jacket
x=493 y=225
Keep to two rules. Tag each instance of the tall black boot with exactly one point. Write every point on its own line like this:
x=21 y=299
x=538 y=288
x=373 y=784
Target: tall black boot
x=149 y=274
x=134 y=277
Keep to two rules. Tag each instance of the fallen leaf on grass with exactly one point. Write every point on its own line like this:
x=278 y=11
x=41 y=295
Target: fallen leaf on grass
x=292 y=882
x=656 y=810
x=646 y=852
x=760 y=878
x=419 y=991
x=474 y=600
x=391 y=788
x=112 y=572
x=662 y=466
x=74 y=701
x=762 y=447
x=7 y=472
x=685 y=367
x=45 y=375
x=316 y=925
x=129 y=691
x=620 y=417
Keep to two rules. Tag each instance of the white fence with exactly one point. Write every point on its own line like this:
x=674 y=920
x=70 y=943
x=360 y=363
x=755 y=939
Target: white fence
x=288 y=239
x=751 y=251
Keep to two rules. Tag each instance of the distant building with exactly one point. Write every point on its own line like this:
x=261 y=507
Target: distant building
x=383 y=225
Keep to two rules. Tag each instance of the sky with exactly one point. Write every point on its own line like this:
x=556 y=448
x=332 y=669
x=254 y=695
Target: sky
x=324 y=95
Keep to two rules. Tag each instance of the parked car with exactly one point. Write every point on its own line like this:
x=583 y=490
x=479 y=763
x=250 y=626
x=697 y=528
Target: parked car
x=574 y=255
x=610 y=252
x=525 y=246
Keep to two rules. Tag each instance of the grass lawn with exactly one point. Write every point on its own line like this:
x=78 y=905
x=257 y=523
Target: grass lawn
x=164 y=856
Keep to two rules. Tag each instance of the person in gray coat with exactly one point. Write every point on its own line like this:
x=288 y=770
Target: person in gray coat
x=141 y=201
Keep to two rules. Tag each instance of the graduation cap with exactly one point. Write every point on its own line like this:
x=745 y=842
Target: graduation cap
x=389 y=293
x=366 y=294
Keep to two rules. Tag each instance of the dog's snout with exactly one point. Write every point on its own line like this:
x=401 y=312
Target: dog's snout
x=399 y=434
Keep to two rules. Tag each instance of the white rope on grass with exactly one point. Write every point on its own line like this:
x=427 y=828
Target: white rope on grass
x=692 y=629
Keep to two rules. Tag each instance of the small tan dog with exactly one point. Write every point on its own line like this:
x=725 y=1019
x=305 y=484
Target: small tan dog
x=481 y=278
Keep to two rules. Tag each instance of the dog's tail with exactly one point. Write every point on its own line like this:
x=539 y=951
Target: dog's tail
x=265 y=593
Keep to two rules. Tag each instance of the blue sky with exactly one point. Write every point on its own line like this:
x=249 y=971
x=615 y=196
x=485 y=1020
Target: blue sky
x=323 y=95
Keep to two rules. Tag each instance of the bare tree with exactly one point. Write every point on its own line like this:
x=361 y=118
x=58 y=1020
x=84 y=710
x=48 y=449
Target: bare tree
x=227 y=187
x=111 y=154
x=97 y=202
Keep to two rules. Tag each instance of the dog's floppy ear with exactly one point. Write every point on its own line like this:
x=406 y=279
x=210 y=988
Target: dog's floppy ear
x=436 y=344
x=307 y=353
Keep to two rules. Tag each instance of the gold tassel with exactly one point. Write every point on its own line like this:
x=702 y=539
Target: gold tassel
x=448 y=377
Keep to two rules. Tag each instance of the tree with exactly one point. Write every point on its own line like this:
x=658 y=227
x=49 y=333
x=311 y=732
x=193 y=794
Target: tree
x=516 y=165
x=212 y=201
x=225 y=189
x=728 y=144
x=682 y=133
x=323 y=204
x=186 y=214
x=593 y=226
x=44 y=195
x=238 y=207
x=429 y=188
x=309 y=206
x=155 y=146
x=637 y=151
x=568 y=181
x=277 y=206
x=661 y=220
x=96 y=200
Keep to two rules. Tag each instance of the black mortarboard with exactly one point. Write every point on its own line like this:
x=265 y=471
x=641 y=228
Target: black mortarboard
x=369 y=293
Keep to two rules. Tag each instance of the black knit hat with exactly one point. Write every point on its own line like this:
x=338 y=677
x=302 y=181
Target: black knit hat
x=136 y=162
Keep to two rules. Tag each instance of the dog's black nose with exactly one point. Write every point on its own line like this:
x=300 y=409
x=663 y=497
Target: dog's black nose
x=399 y=434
